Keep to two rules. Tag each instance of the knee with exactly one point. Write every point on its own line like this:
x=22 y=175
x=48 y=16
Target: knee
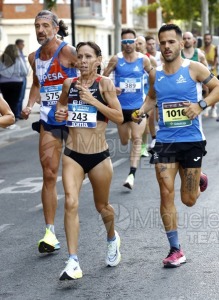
x=166 y=194
x=71 y=205
x=189 y=200
x=49 y=174
x=167 y=198
x=106 y=210
x=136 y=140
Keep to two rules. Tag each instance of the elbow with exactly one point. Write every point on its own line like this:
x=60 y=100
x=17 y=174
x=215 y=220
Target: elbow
x=12 y=120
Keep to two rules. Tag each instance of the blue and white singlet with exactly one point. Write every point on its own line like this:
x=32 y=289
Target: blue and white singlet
x=171 y=91
x=129 y=77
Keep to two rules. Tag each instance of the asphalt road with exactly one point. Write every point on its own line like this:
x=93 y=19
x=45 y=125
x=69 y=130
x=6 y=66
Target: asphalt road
x=25 y=274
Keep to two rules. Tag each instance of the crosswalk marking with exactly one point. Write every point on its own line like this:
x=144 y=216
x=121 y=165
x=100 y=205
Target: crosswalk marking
x=86 y=181
x=5 y=226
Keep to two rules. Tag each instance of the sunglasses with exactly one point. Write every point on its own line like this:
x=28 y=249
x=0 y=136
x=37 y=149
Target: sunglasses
x=128 y=41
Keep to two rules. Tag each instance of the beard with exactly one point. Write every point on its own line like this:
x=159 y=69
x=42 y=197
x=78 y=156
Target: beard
x=44 y=41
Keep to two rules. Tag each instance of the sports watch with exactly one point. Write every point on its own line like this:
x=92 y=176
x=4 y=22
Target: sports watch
x=203 y=104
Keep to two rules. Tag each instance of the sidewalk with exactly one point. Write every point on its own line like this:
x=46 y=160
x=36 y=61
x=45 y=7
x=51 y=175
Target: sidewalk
x=22 y=127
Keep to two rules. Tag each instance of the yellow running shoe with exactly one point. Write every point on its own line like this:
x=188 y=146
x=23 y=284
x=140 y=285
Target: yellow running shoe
x=49 y=243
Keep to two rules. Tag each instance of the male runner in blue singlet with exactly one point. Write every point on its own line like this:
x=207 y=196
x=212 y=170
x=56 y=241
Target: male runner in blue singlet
x=130 y=66
x=180 y=141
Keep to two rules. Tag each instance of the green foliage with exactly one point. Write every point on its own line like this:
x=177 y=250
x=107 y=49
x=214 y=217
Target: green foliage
x=184 y=10
x=142 y=10
x=49 y=4
x=172 y=9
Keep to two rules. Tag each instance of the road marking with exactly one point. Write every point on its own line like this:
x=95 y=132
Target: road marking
x=11 y=136
x=5 y=226
x=111 y=131
x=40 y=206
x=86 y=181
x=28 y=185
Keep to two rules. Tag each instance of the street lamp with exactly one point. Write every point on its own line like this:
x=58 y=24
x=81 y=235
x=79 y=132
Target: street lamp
x=73 y=22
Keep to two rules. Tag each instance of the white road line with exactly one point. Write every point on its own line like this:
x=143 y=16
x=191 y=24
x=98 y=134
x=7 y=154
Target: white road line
x=86 y=181
x=4 y=227
x=119 y=162
x=40 y=206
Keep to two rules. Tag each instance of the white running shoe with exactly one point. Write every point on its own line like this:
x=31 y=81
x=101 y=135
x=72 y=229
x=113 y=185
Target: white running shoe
x=206 y=112
x=152 y=144
x=214 y=112
x=113 y=255
x=129 y=183
x=72 y=271
x=144 y=152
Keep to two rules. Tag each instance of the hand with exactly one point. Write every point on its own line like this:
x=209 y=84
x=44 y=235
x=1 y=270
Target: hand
x=192 y=110
x=84 y=93
x=118 y=91
x=137 y=116
x=26 y=112
x=61 y=115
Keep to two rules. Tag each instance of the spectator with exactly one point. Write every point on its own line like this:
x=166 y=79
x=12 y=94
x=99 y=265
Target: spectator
x=20 y=46
x=12 y=70
x=210 y=51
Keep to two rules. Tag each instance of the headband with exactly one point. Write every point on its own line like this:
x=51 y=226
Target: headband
x=47 y=18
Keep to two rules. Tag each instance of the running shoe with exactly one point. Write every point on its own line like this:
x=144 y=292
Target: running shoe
x=174 y=259
x=151 y=146
x=113 y=255
x=49 y=243
x=72 y=271
x=203 y=182
x=214 y=112
x=144 y=152
x=129 y=183
x=206 y=112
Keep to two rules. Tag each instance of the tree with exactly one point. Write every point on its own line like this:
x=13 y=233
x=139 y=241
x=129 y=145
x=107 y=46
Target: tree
x=49 y=4
x=184 y=10
x=174 y=10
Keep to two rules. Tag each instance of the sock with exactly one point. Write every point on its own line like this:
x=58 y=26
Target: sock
x=153 y=137
x=112 y=239
x=132 y=171
x=173 y=238
x=73 y=256
x=51 y=227
x=143 y=146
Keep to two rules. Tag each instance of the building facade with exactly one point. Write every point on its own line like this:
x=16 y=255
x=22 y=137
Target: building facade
x=92 y=19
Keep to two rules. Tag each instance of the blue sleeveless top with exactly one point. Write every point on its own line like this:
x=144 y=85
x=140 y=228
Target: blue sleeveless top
x=171 y=91
x=129 y=77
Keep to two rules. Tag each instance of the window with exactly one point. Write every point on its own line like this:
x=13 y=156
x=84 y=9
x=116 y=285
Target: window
x=21 y=2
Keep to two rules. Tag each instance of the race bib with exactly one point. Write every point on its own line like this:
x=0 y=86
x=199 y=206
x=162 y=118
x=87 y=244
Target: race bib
x=174 y=114
x=82 y=116
x=130 y=85
x=50 y=94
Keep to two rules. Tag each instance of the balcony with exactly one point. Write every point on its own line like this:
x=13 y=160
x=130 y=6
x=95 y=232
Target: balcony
x=88 y=9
